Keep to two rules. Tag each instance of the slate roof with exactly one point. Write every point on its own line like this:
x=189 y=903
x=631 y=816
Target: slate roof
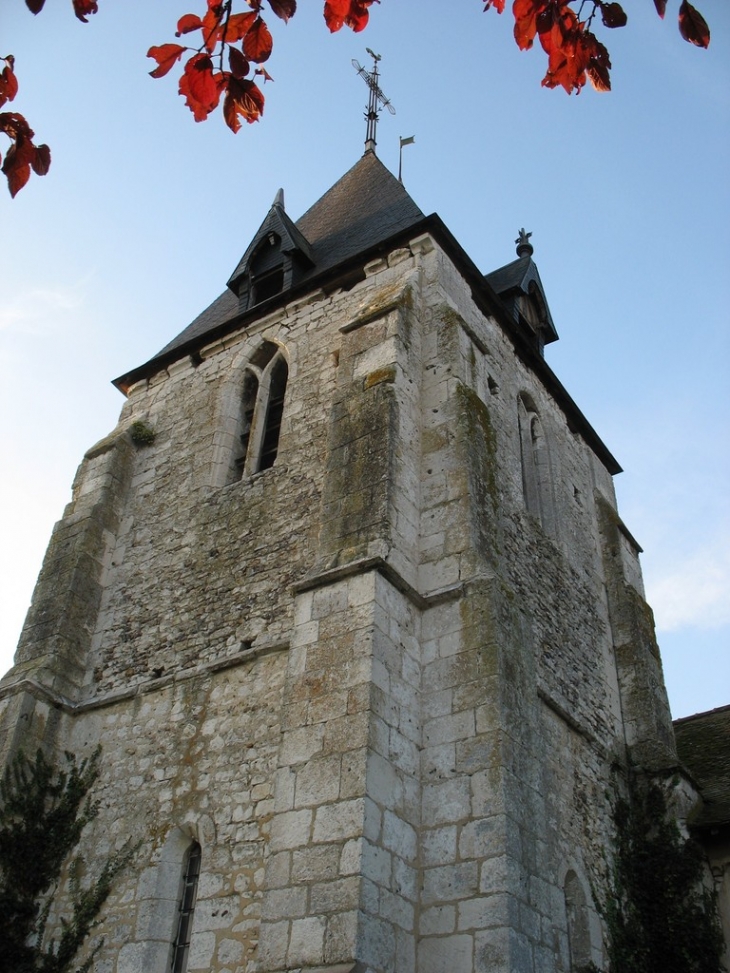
x=292 y=238
x=703 y=745
x=365 y=207
x=515 y=278
x=365 y=213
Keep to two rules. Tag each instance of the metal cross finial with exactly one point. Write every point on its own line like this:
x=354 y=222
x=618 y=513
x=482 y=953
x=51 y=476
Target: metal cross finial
x=377 y=98
x=524 y=247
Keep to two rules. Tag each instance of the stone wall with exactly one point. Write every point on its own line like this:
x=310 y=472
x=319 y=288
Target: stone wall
x=381 y=690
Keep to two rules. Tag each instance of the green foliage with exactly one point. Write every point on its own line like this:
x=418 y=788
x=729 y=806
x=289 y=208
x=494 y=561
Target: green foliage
x=142 y=434
x=42 y=814
x=660 y=917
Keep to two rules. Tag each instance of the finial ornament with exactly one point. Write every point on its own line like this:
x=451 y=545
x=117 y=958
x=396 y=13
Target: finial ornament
x=524 y=247
x=376 y=98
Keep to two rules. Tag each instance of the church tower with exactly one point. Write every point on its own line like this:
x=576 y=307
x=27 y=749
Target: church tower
x=346 y=600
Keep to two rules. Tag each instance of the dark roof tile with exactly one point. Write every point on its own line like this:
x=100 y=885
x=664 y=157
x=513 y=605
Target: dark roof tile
x=365 y=207
x=703 y=745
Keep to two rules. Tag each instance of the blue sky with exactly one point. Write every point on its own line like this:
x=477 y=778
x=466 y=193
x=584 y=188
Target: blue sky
x=145 y=214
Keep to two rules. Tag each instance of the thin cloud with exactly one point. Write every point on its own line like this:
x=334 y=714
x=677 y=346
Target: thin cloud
x=39 y=310
x=696 y=592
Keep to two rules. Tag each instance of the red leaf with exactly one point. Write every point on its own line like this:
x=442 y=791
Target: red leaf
x=613 y=15
x=14 y=125
x=353 y=13
x=211 y=26
x=599 y=67
x=258 y=42
x=242 y=98
x=575 y=55
x=239 y=65
x=17 y=176
x=82 y=9
x=22 y=154
x=358 y=17
x=187 y=24
x=35 y=6
x=238 y=26
x=42 y=160
x=692 y=25
x=8 y=82
x=335 y=13
x=284 y=8
x=661 y=6
x=526 y=13
x=497 y=4
x=200 y=86
x=166 y=55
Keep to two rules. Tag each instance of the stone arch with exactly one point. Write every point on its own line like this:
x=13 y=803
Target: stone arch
x=249 y=415
x=537 y=480
x=158 y=899
x=578 y=922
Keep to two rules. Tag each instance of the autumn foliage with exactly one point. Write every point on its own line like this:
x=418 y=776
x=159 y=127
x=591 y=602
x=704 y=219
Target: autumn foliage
x=225 y=50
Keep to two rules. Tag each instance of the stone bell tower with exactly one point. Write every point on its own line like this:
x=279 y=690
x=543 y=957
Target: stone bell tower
x=347 y=602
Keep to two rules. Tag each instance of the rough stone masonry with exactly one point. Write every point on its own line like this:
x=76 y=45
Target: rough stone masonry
x=387 y=684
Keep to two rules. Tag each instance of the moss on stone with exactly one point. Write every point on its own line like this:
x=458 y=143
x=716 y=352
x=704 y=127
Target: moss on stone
x=141 y=433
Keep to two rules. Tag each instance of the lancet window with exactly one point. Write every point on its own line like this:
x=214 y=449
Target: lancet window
x=535 y=458
x=261 y=411
x=188 y=895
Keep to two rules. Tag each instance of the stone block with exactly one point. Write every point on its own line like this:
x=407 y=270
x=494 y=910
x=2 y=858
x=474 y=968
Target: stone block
x=291 y=829
x=438 y=846
x=449 y=954
x=306 y=945
x=338 y=822
x=446 y=802
x=318 y=781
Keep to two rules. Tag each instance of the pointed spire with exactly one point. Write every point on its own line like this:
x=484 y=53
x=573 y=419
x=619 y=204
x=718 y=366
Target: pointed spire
x=279 y=199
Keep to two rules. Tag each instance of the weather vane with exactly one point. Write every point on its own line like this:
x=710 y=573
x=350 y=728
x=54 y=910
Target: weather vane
x=376 y=100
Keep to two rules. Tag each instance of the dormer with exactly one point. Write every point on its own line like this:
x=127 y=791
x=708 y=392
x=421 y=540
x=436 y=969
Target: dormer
x=275 y=259
x=519 y=286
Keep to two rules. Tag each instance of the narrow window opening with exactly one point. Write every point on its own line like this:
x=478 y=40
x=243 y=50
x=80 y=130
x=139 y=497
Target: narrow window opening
x=181 y=945
x=268 y=284
x=536 y=474
x=579 y=936
x=248 y=405
x=274 y=413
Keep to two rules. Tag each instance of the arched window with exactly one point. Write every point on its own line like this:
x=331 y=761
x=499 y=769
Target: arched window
x=576 y=911
x=188 y=895
x=261 y=410
x=274 y=413
x=248 y=405
x=535 y=458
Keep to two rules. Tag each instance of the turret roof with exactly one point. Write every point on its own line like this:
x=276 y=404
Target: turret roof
x=364 y=208
x=366 y=213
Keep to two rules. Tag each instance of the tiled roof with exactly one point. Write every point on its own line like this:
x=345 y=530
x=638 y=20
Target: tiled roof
x=365 y=207
x=703 y=745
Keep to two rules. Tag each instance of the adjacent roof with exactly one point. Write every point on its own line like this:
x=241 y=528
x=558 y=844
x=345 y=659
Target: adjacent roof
x=703 y=745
